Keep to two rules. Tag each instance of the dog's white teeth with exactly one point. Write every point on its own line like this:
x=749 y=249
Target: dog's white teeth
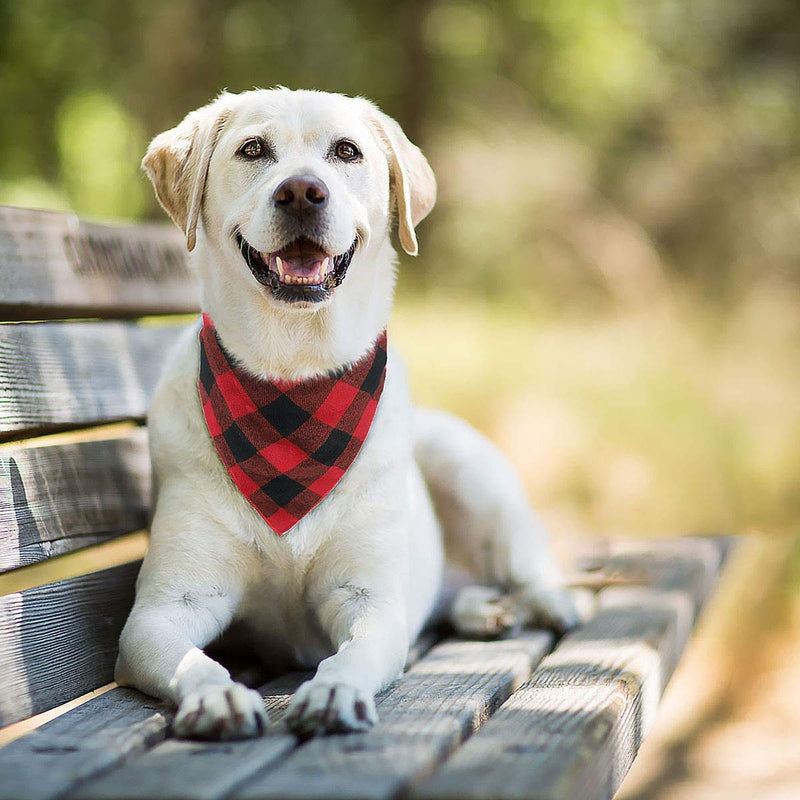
x=323 y=269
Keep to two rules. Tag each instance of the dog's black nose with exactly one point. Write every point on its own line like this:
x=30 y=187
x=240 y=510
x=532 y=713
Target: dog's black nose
x=301 y=192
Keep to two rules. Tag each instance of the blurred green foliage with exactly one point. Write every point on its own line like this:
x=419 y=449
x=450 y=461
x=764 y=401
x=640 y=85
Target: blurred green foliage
x=678 y=119
x=615 y=250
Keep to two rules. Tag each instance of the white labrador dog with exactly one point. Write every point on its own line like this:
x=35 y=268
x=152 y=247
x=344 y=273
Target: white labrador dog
x=286 y=199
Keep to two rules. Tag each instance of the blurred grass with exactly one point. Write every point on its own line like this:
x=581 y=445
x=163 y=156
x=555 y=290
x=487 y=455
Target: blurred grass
x=657 y=421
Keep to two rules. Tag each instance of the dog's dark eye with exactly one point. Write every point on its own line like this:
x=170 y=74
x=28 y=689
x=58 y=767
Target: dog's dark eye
x=252 y=148
x=347 y=151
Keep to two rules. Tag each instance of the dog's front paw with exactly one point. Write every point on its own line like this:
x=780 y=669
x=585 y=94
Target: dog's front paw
x=482 y=612
x=221 y=712
x=325 y=707
x=551 y=608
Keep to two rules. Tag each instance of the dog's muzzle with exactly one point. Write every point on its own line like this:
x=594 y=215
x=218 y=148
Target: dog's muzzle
x=301 y=271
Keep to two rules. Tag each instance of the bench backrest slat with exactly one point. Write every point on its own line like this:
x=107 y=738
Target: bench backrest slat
x=73 y=358
x=59 y=641
x=56 y=499
x=55 y=266
x=64 y=375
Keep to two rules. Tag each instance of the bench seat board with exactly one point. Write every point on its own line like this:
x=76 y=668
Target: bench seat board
x=443 y=698
x=85 y=741
x=56 y=499
x=437 y=703
x=91 y=739
x=65 y=753
x=55 y=266
x=180 y=770
x=55 y=375
x=570 y=730
x=573 y=730
x=59 y=641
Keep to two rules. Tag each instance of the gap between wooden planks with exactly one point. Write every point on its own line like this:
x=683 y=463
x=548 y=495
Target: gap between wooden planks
x=17 y=729
x=122 y=550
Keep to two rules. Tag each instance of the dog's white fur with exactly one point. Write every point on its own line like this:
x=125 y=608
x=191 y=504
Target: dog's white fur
x=355 y=580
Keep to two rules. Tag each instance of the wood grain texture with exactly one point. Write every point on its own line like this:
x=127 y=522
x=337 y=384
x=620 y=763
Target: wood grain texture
x=86 y=741
x=442 y=699
x=60 y=640
x=570 y=731
x=179 y=770
x=573 y=730
x=61 y=375
x=175 y=770
x=89 y=741
x=54 y=266
x=75 y=755
x=59 y=498
x=437 y=703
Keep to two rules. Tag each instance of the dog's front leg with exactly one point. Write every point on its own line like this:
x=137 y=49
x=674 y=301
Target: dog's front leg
x=366 y=621
x=160 y=653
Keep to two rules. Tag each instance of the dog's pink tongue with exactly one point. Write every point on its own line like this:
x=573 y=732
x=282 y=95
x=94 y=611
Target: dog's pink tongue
x=299 y=267
x=300 y=264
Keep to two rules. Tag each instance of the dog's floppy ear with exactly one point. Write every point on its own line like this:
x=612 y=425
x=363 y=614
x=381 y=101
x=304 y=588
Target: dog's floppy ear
x=177 y=163
x=412 y=179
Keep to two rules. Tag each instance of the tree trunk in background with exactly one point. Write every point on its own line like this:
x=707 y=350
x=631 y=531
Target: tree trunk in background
x=417 y=75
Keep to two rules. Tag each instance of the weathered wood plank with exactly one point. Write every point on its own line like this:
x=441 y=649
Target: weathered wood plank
x=59 y=641
x=423 y=717
x=617 y=666
x=54 y=266
x=84 y=742
x=203 y=770
x=58 y=498
x=61 y=375
x=209 y=770
x=178 y=770
x=573 y=730
x=89 y=741
x=684 y=563
x=92 y=739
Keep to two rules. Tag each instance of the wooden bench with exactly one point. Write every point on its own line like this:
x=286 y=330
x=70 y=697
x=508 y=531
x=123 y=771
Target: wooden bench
x=512 y=718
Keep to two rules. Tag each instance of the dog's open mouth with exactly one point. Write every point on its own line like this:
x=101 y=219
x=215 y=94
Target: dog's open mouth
x=302 y=271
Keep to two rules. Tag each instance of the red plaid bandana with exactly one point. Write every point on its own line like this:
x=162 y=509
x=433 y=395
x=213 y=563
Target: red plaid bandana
x=286 y=445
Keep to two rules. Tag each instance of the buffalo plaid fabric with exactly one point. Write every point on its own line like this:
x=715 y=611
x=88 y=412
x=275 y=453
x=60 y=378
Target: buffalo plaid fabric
x=286 y=445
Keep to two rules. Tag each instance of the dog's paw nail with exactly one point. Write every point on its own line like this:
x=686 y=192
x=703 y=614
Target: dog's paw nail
x=361 y=711
x=221 y=712
x=323 y=707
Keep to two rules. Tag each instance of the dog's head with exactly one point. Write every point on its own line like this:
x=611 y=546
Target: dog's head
x=290 y=187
